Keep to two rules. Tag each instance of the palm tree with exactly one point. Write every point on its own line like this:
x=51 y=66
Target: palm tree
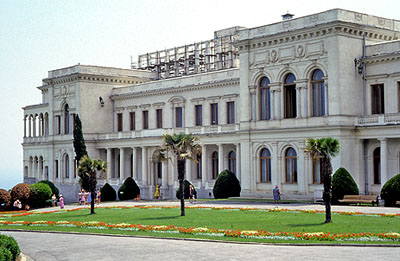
x=183 y=147
x=89 y=167
x=325 y=149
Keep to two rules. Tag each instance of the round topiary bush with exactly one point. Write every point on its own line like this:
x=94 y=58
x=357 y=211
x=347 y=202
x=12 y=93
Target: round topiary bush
x=40 y=194
x=226 y=185
x=5 y=254
x=186 y=192
x=5 y=199
x=128 y=190
x=108 y=193
x=391 y=191
x=10 y=244
x=22 y=192
x=54 y=189
x=343 y=184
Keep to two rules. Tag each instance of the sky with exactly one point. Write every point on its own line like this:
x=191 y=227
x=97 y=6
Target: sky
x=37 y=36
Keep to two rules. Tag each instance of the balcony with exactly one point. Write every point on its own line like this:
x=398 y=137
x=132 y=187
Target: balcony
x=379 y=119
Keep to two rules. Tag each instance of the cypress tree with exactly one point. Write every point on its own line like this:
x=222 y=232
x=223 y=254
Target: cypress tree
x=80 y=150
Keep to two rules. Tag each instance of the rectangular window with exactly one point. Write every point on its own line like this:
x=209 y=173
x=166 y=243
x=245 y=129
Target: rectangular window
x=119 y=121
x=178 y=117
x=132 y=121
x=398 y=96
x=214 y=113
x=145 y=120
x=378 y=99
x=199 y=115
x=230 y=108
x=56 y=168
x=159 y=118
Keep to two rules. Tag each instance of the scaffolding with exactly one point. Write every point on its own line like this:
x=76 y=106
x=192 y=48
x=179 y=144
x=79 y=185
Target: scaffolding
x=216 y=54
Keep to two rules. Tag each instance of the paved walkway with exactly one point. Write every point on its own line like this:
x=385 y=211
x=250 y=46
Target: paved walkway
x=58 y=246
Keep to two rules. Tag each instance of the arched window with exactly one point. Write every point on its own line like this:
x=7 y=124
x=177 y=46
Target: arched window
x=214 y=164
x=198 y=166
x=265 y=99
x=291 y=165
x=159 y=170
x=318 y=93
x=66 y=166
x=66 y=119
x=289 y=92
x=232 y=162
x=317 y=169
x=265 y=166
x=377 y=165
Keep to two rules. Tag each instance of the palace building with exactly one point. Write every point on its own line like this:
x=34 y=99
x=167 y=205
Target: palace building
x=251 y=95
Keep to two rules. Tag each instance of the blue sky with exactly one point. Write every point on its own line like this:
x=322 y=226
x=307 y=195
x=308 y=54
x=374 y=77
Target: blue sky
x=41 y=35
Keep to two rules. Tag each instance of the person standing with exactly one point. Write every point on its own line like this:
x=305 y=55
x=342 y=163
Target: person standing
x=157 y=192
x=61 y=201
x=53 y=200
x=277 y=194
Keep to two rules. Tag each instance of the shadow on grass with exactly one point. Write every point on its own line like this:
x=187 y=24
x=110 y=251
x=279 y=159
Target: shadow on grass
x=158 y=218
x=307 y=225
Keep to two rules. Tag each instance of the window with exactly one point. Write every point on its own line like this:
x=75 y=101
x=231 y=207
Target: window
x=159 y=118
x=199 y=115
x=66 y=119
x=265 y=166
x=398 y=96
x=66 y=168
x=214 y=113
x=132 y=121
x=232 y=162
x=291 y=166
x=377 y=166
x=75 y=168
x=317 y=169
x=214 y=164
x=145 y=120
x=58 y=124
x=119 y=121
x=265 y=99
x=198 y=166
x=378 y=100
x=56 y=168
x=289 y=88
x=178 y=117
x=159 y=170
x=318 y=93
x=230 y=108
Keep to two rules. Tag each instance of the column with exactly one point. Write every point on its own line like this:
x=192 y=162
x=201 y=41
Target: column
x=245 y=166
x=121 y=164
x=134 y=164
x=238 y=162
x=71 y=168
x=144 y=166
x=164 y=177
x=204 y=171
x=298 y=102
x=40 y=126
x=278 y=108
x=272 y=104
x=384 y=159
x=275 y=180
x=326 y=95
x=189 y=170
x=34 y=126
x=305 y=102
x=109 y=167
x=220 y=158
x=30 y=127
x=24 y=127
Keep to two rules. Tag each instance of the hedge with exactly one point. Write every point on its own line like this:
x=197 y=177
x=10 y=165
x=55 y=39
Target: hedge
x=226 y=185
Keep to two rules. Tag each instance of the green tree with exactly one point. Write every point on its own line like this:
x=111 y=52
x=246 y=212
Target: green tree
x=89 y=167
x=80 y=150
x=326 y=148
x=183 y=147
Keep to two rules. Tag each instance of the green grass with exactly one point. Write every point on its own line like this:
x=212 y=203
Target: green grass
x=220 y=219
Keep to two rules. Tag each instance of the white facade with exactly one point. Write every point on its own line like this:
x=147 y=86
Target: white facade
x=252 y=96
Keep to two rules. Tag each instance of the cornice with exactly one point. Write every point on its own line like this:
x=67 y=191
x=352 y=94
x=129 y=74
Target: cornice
x=170 y=90
x=319 y=31
x=384 y=58
x=75 y=77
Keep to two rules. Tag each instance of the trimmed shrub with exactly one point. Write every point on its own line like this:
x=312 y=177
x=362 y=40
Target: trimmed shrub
x=5 y=199
x=108 y=193
x=22 y=192
x=391 y=191
x=9 y=248
x=54 y=189
x=186 y=192
x=226 y=185
x=128 y=190
x=343 y=184
x=40 y=193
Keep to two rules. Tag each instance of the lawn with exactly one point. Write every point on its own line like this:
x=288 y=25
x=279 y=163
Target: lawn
x=208 y=223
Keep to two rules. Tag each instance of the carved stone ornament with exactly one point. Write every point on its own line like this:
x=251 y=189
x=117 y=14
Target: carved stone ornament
x=300 y=51
x=274 y=56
